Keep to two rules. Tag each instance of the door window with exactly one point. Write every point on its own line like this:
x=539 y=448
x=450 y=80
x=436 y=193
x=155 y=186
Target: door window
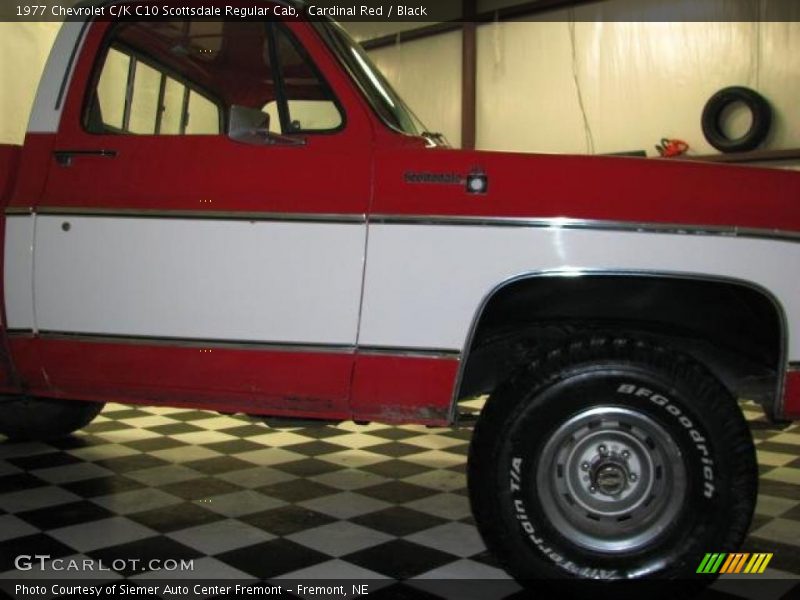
x=184 y=78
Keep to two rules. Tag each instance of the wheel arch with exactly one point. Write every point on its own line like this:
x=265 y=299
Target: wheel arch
x=760 y=307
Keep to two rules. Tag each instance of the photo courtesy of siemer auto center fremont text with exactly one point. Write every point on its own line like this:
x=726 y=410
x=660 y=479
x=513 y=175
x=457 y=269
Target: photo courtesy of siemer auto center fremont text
x=400 y=299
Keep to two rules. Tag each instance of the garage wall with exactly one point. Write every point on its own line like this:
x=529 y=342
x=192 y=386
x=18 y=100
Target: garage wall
x=427 y=74
x=578 y=81
x=24 y=48
x=600 y=87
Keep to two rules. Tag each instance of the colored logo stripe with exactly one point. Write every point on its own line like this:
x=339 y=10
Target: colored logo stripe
x=732 y=558
x=711 y=563
x=736 y=562
x=758 y=563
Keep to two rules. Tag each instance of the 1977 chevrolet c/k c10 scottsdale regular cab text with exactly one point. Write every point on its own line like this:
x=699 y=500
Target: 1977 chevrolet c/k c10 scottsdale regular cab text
x=243 y=216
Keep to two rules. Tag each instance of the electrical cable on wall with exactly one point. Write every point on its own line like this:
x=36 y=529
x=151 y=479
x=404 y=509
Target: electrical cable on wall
x=586 y=127
x=498 y=50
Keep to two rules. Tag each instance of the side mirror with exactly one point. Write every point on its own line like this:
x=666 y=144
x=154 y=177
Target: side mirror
x=248 y=125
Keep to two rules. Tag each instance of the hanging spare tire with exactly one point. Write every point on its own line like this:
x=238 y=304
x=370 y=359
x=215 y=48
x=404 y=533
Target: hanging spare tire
x=760 y=111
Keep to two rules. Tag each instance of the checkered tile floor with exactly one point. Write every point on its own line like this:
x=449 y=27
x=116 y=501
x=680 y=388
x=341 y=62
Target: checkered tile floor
x=243 y=500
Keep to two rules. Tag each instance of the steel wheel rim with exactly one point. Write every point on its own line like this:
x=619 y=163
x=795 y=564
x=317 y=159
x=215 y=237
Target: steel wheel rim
x=611 y=479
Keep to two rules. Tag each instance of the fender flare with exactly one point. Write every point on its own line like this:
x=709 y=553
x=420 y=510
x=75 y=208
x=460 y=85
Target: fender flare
x=777 y=411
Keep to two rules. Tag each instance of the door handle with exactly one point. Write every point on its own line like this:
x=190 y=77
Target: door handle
x=65 y=157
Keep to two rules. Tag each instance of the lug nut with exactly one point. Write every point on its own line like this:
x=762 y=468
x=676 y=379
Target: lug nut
x=602 y=450
x=585 y=466
x=626 y=454
x=633 y=477
x=592 y=490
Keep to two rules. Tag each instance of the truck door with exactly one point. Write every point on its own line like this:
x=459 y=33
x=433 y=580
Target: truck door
x=201 y=235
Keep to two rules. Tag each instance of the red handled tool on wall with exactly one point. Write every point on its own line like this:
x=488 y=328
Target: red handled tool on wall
x=671 y=147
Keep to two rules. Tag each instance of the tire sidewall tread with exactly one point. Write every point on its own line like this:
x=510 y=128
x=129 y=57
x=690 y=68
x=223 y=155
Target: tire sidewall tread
x=517 y=398
x=37 y=418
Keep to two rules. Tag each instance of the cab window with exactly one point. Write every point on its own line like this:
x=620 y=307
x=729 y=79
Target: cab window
x=187 y=77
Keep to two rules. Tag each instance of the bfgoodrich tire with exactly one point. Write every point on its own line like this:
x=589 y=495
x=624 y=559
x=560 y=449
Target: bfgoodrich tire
x=611 y=459
x=26 y=418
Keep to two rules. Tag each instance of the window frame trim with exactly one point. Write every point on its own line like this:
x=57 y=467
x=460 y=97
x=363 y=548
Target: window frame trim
x=137 y=56
x=276 y=25
x=319 y=27
x=109 y=43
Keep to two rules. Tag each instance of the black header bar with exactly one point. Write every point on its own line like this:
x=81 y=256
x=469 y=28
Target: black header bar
x=405 y=11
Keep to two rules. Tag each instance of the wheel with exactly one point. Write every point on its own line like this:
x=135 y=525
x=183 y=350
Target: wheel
x=759 y=129
x=610 y=458
x=26 y=418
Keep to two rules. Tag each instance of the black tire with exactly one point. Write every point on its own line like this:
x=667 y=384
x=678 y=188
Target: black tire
x=26 y=418
x=759 y=129
x=617 y=393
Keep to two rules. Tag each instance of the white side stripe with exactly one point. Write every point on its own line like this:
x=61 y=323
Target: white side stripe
x=18 y=272
x=425 y=283
x=179 y=278
x=300 y=282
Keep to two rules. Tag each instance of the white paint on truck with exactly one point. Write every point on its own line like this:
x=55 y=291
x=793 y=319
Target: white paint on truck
x=189 y=278
x=424 y=283
x=301 y=282
x=18 y=272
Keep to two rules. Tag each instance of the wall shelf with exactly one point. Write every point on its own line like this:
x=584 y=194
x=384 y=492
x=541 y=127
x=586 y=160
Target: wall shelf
x=747 y=157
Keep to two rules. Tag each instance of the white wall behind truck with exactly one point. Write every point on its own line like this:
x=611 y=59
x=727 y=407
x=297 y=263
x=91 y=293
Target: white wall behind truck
x=577 y=81
x=427 y=74
x=602 y=87
x=24 y=48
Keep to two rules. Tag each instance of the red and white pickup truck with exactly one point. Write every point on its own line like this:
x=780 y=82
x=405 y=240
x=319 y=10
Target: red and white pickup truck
x=243 y=216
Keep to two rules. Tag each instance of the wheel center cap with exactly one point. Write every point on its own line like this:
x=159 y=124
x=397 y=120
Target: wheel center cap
x=610 y=479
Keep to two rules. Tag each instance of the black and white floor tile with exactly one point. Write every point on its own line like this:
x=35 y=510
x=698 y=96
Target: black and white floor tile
x=245 y=501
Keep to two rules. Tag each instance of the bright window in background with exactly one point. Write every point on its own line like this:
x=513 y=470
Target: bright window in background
x=172 y=115
x=310 y=105
x=144 y=100
x=110 y=94
x=135 y=97
x=184 y=77
x=202 y=116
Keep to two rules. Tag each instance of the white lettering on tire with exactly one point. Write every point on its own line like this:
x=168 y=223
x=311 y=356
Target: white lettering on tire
x=538 y=541
x=697 y=438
